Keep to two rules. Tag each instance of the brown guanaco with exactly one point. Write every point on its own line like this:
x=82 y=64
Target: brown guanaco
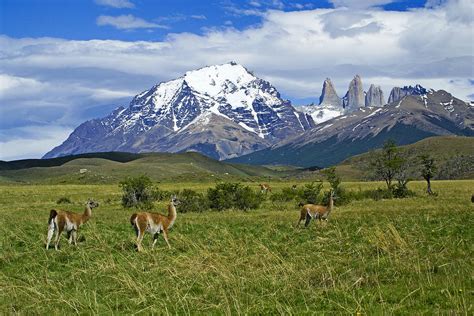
x=317 y=212
x=154 y=223
x=70 y=222
x=265 y=188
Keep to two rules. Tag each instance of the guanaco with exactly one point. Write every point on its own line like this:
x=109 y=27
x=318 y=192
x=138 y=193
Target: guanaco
x=70 y=222
x=312 y=211
x=154 y=223
x=265 y=188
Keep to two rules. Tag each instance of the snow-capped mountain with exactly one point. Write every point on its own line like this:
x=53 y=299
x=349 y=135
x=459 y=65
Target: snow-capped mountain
x=222 y=111
x=409 y=119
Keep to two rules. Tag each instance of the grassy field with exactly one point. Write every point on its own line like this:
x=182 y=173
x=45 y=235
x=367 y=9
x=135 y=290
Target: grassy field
x=408 y=256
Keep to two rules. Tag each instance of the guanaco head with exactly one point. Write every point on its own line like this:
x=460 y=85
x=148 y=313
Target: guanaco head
x=92 y=204
x=175 y=201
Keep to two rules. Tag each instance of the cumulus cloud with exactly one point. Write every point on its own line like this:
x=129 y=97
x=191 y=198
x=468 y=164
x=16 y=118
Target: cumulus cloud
x=127 y=22
x=32 y=141
x=295 y=51
x=116 y=3
x=360 y=4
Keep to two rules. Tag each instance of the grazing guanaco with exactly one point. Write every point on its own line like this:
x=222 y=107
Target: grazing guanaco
x=313 y=211
x=70 y=222
x=265 y=188
x=154 y=223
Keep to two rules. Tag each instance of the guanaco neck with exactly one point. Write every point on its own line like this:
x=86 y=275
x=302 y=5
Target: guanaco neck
x=87 y=214
x=171 y=212
x=331 y=205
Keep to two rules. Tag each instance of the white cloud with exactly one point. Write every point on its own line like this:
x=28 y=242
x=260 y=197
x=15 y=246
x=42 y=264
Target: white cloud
x=32 y=141
x=116 y=3
x=360 y=4
x=127 y=22
x=198 y=17
x=295 y=51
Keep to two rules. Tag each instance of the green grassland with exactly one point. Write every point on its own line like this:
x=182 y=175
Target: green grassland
x=454 y=157
x=105 y=168
x=409 y=256
x=452 y=153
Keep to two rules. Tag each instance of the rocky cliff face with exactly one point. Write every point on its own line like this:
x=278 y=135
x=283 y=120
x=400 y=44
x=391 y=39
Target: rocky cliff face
x=329 y=95
x=413 y=118
x=354 y=97
x=213 y=101
x=374 y=96
x=398 y=93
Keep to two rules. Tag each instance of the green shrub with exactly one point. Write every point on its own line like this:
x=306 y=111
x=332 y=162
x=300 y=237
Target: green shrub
x=286 y=195
x=400 y=191
x=310 y=192
x=139 y=192
x=233 y=195
x=192 y=201
x=63 y=200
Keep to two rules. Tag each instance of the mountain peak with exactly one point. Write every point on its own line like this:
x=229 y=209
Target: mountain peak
x=374 y=96
x=398 y=93
x=329 y=96
x=354 y=97
x=158 y=117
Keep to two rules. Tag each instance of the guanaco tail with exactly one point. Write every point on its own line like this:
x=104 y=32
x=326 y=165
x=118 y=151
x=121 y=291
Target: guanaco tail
x=70 y=222
x=154 y=223
x=317 y=212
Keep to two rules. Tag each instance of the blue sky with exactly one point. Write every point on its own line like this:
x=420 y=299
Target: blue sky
x=64 y=62
x=77 y=19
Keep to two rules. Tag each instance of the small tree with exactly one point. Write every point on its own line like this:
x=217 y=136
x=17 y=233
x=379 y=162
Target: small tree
x=428 y=170
x=387 y=163
x=138 y=192
x=332 y=177
x=310 y=192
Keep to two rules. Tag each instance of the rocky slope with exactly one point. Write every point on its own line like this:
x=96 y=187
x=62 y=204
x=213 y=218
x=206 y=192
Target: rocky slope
x=408 y=120
x=222 y=111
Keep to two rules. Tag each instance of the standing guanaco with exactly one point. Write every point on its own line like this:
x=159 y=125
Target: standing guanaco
x=265 y=188
x=312 y=211
x=154 y=223
x=70 y=222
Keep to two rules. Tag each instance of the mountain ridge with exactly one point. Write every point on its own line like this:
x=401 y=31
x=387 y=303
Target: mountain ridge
x=412 y=118
x=250 y=105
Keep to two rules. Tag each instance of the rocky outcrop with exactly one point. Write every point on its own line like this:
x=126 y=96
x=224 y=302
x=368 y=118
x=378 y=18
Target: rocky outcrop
x=374 y=96
x=398 y=93
x=413 y=118
x=354 y=97
x=329 y=96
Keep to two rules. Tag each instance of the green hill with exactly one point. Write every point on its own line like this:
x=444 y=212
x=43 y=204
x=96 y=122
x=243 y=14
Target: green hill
x=454 y=156
x=113 y=167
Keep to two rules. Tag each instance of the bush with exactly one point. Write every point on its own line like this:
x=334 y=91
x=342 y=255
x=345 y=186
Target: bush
x=63 y=200
x=233 y=195
x=191 y=201
x=310 y=192
x=286 y=195
x=401 y=191
x=139 y=192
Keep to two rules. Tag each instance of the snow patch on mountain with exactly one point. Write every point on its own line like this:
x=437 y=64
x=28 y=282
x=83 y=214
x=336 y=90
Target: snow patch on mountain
x=319 y=113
